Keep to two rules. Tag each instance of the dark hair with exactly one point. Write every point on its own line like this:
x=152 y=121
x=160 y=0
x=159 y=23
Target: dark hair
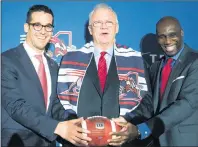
x=38 y=8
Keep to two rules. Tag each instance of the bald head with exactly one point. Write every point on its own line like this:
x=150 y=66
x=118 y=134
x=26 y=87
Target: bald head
x=167 y=21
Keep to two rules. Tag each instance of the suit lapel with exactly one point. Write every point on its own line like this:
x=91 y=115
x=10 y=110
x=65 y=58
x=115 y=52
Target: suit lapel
x=93 y=74
x=157 y=85
x=112 y=76
x=30 y=72
x=53 y=75
x=180 y=64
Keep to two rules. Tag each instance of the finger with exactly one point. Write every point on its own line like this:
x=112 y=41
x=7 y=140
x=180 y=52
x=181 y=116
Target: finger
x=119 y=119
x=81 y=130
x=114 y=137
x=80 y=142
x=118 y=139
x=124 y=129
x=73 y=142
x=115 y=144
x=83 y=136
x=76 y=121
x=118 y=133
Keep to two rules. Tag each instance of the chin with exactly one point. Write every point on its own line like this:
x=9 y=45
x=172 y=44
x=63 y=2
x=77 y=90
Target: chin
x=170 y=54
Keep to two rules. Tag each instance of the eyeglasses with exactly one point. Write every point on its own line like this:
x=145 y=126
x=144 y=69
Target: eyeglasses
x=38 y=27
x=100 y=23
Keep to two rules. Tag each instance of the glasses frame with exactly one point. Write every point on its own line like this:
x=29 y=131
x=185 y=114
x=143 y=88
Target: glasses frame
x=41 y=27
x=100 y=24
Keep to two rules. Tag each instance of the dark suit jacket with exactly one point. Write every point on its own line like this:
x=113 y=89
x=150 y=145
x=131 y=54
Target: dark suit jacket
x=174 y=121
x=100 y=102
x=25 y=121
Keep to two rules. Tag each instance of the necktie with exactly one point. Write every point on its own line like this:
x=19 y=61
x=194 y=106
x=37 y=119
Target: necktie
x=102 y=70
x=165 y=75
x=42 y=76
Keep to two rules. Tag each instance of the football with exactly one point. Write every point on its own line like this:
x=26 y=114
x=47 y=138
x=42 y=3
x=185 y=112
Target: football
x=100 y=127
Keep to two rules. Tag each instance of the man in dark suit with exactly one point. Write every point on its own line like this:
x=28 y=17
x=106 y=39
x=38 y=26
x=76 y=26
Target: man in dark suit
x=170 y=115
x=102 y=78
x=32 y=115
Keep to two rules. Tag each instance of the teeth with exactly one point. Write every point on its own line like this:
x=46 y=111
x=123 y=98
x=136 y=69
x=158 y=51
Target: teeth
x=170 y=47
x=41 y=38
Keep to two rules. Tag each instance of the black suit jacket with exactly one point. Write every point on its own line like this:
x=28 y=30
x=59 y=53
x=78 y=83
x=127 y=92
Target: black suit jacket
x=25 y=121
x=174 y=121
x=101 y=104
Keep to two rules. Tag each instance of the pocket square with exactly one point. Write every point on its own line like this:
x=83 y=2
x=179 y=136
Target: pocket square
x=180 y=77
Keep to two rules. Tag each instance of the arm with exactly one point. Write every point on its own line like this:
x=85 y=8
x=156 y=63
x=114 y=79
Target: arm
x=145 y=110
x=18 y=108
x=142 y=113
x=59 y=113
x=186 y=103
x=28 y=116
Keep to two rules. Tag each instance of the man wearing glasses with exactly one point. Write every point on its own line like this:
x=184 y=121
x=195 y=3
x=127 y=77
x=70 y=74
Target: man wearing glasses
x=32 y=115
x=102 y=78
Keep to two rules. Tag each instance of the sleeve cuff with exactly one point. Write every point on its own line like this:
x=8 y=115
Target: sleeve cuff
x=129 y=116
x=144 y=130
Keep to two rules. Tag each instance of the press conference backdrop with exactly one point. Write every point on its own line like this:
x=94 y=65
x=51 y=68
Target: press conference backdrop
x=136 y=19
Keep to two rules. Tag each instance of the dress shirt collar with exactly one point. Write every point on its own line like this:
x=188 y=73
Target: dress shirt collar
x=31 y=53
x=97 y=51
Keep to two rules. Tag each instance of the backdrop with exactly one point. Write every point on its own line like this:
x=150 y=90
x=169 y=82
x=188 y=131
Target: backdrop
x=137 y=24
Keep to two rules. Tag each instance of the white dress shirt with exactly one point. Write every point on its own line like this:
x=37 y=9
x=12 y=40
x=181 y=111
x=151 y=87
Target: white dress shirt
x=107 y=56
x=31 y=53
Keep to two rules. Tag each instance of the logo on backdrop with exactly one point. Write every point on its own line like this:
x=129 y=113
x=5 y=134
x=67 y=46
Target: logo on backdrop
x=59 y=45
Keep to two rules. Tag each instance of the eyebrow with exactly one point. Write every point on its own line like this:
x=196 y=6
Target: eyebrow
x=41 y=23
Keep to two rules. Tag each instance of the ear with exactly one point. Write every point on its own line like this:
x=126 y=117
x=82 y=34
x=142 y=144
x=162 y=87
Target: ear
x=182 y=33
x=117 y=28
x=26 y=27
x=90 y=29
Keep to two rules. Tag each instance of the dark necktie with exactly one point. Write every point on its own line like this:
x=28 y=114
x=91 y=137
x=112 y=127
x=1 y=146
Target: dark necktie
x=165 y=75
x=102 y=70
x=42 y=76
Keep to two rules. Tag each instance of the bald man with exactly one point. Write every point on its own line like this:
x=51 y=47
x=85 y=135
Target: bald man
x=170 y=115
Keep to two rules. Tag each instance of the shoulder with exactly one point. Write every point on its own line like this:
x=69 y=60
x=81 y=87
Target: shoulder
x=12 y=52
x=79 y=54
x=123 y=50
x=52 y=62
x=11 y=55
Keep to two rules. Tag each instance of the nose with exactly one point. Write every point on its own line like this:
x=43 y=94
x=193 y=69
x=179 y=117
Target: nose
x=103 y=25
x=167 y=40
x=43 y=31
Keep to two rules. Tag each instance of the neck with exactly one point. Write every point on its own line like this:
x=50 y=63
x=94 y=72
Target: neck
x=36 y=50
x=104 y=47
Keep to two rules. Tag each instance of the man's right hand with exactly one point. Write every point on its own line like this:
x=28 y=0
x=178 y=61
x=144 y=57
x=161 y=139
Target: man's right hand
x=128 y=132
x=72 y=132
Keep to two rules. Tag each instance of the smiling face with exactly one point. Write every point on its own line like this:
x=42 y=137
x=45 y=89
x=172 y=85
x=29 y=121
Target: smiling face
x=103 y=27
x=170 y=36
x=37 y=40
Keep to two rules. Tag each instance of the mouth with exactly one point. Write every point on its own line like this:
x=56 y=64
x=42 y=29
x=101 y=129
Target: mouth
x=41 y=37
x=170 y=47
x=104 y=34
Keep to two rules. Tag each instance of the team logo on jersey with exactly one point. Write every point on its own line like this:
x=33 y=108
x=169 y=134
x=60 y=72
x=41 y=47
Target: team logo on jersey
x=129 y=92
